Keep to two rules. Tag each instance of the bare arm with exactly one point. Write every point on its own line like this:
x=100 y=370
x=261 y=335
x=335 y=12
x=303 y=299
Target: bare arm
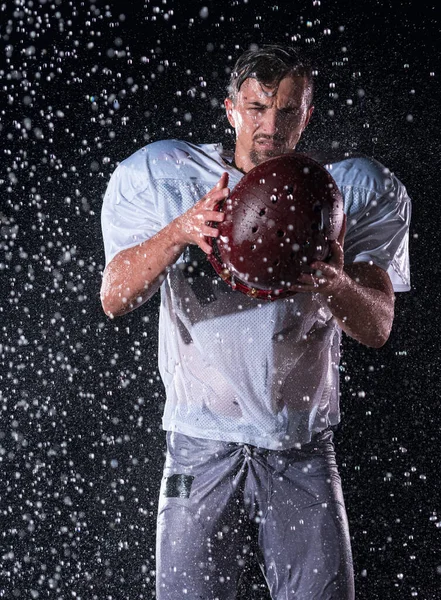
x=135 y=274
x=360 y=296
x=364 y=304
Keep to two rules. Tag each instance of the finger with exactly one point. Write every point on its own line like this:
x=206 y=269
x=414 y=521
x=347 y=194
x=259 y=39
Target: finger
x=214 y=215
x=223 y=181
x=319 y=266
x=326 y=271
x=220 y=186
x=321 y=273
x=208 y=231
x=341 y=237
x=336 y=254
x=215 y=196
x=205 y=246
x=306 y=278
x=303 y=287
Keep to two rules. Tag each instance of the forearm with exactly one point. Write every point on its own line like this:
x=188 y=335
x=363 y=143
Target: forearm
x=135 y=274
x=365 y=313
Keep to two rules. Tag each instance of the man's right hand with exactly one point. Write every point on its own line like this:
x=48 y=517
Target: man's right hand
x=192 y=226
x=135 y=274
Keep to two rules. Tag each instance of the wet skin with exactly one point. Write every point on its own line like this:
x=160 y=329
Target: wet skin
x=268 y=121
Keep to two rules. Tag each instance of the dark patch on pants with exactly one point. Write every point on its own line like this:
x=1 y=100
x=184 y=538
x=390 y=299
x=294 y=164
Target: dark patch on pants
x=178 y=486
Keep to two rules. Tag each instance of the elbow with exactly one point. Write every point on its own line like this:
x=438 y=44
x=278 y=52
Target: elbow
x=110 y=308
x=113 y=304
x=380 y=335
x=378 y=341
x=119 y=295
x=382 y=326
x=115 y=307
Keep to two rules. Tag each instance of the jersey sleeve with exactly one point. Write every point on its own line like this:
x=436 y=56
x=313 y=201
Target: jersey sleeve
x=378 y=230
x=129 y=214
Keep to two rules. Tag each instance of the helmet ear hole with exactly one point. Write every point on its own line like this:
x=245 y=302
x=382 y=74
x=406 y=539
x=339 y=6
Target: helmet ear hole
x=278 y=220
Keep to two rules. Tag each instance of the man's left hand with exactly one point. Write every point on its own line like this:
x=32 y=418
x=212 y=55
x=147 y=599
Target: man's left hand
x=326 y=277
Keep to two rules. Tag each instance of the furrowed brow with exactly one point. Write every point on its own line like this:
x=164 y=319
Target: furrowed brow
x=257 y=104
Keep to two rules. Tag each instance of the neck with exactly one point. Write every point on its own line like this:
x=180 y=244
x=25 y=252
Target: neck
x=241 y=163
x=233 y=164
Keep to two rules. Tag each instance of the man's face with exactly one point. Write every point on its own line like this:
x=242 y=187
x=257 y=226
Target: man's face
x=268 y=121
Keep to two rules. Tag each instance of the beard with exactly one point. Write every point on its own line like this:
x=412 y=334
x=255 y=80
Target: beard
x=258 y=158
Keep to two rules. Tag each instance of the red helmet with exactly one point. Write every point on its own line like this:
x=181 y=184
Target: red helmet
x=279 y=218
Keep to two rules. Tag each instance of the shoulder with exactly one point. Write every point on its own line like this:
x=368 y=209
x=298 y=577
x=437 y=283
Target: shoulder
x=161 y=151
x=176 y=160
x=148 y=163
x=172 y=159
x=362 y=179
x=365 y=173
x=353 y=169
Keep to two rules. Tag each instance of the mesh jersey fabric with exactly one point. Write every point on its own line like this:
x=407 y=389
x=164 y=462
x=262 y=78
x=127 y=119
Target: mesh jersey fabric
x=235 y=368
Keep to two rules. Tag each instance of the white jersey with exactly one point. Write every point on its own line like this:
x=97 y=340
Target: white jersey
x=236 y=368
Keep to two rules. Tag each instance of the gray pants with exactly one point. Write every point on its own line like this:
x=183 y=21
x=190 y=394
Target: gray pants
x=221 y=502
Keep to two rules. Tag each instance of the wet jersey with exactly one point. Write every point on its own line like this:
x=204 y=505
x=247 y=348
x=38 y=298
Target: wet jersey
x=236 y=368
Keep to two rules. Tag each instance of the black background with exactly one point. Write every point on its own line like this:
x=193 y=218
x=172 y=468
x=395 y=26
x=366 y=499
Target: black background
x=81 y=447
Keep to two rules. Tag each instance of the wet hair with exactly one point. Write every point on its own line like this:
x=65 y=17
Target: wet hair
x=269 y=65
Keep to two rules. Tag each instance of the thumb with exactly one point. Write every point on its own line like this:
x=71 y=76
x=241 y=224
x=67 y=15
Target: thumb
x=341 y=236
x=223 y=181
